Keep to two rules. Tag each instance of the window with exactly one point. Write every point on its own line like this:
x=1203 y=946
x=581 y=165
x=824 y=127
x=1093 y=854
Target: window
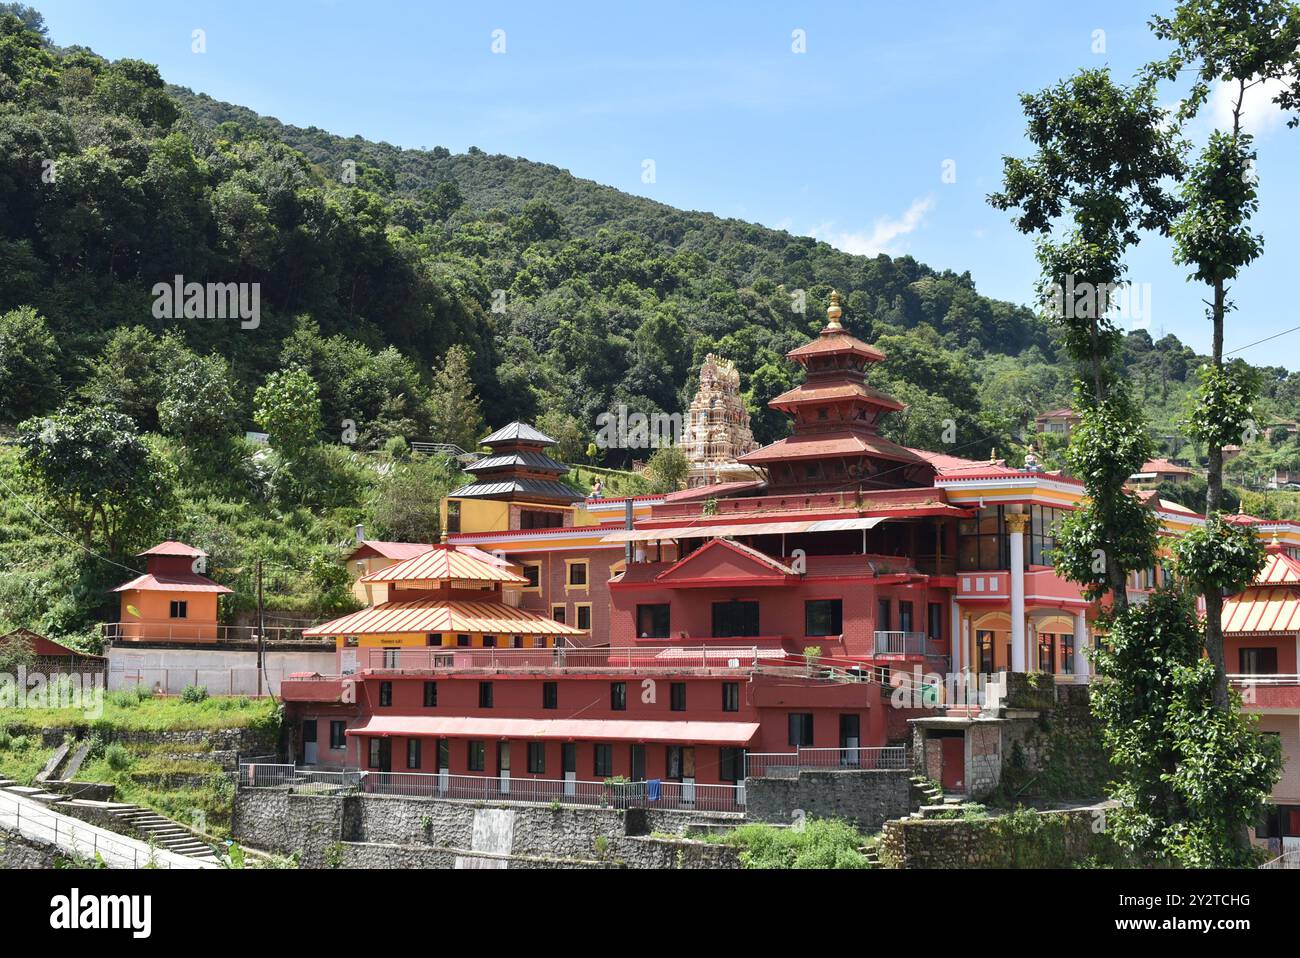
x=433 y=640
x=934 y=621
x=1046 y=652
x=533 y=573
x=550 y=695
x=392 y=658
x=485 y=695
x=583 y=612
x=801 y=729
x=536 y=758
x=735 y=619
x=180 y=609
x=731 y=764
x=431 y=695
x=823 y=617
x=731 y=696
x=674 y=763
x=652 y=621
x=1257 y=661
x=604 y=755
x=1042 y=533
x=517 y=642
x=1067 y=653
x=489 y=641
x=618 y=696
x=462 y=641
x=476 y=755
x=540 y=519
x=577 y=577
x=677 y=695
x=385 y=693
x=557 y=613
x=338 y=736
x=444 y=754
x=375 y=757
x=453 y=515
x=982 y=543
x=412 y=753
x=904 y=616
x=984 y=646
x=884 y=616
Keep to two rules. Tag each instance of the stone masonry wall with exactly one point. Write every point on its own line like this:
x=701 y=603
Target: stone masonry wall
x=865 y=798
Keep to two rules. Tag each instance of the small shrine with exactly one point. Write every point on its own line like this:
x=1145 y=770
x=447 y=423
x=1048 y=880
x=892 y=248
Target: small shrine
x=717 y=429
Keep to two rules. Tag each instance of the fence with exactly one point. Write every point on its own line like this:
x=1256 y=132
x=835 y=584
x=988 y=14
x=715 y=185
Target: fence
x=763 y=764
x=218 y=681
x=613 y=793
x=1287 y=860
x=673 y=658
x=149 y=630
x=83 y=840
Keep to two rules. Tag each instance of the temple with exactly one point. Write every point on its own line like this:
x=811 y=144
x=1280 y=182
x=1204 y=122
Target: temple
x=717 y=427
x=679 y=637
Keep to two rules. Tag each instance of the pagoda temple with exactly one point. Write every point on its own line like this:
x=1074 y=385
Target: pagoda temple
x=836 y=443
x=717 y=428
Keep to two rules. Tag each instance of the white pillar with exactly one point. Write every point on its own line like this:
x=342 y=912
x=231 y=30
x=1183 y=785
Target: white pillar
x=1016 y=523
x=1081 y=665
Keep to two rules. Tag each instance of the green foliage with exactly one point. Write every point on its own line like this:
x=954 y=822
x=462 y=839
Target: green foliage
x=1219 y=557
x=818 y=843
x=404 y=503
x=667 y=469
x=193 y=694
x=29 y=358
x=117 y=757
x=1224 y=404
x=288 y=407
x=454 y=408
x=1190 y=777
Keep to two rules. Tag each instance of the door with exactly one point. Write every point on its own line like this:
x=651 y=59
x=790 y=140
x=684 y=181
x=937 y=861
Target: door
x=688 y=775
x=638 y=763
x=385 y=755
x=850 y=740
x=984 y=640
x=503 y=766
x=444 y=764
x=569 y=765
x=309 y=742
x=953 y=753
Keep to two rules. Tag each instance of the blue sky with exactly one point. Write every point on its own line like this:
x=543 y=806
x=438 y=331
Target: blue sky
x=846 y=141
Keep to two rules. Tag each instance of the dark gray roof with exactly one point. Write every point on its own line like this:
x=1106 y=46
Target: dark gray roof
x=537 y=488
x=517 y=432
x=526 y=459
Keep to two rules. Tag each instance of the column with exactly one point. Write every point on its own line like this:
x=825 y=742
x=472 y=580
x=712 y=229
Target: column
x=1016 y=523
x=1081 y=664
x=954 y=631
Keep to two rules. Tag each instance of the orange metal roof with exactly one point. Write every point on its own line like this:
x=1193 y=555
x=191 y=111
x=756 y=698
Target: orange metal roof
x=834 y=443
x=836 y=341
x=1279 y=569
x=171 y=548
x=444 y=564
x=809 y=393
x=172 y=582
x=1262 y=610
x=447 y=615
x=607 y=730
x=390 y=550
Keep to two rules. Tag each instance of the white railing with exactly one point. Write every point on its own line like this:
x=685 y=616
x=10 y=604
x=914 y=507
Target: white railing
x=762 y=764
x=902 y=643
x=83 y=840
x=1250 y=678
x=167 y=630
x=670 y=658
x=608 y=794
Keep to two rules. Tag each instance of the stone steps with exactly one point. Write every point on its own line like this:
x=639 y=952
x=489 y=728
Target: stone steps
x=74 y=764
x=163 y=832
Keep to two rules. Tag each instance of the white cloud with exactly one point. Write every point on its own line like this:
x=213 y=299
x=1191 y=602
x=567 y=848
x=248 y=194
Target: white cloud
x=884 y=231
x=1259 y=114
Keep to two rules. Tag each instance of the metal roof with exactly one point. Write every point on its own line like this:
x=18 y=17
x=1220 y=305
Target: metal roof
x=744 y=529
x=524 y=458
x=172 y=548
x=546 y=488
x=443 y=564
x=172 y=582
x=517 y=432
x=442 y=616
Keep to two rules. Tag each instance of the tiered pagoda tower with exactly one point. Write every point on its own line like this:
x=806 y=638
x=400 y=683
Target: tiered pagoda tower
x=518 y=469
x=717 y=428
x=836 y=444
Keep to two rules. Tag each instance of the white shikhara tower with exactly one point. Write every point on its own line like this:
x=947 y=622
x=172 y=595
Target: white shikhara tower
x=717 y=426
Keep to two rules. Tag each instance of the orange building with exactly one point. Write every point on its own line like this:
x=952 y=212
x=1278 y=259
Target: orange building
x=171 y=602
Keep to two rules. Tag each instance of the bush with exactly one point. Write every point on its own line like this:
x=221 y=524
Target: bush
x=193 y=694
x=117 y=757
x=6 y=740
x=819 y=843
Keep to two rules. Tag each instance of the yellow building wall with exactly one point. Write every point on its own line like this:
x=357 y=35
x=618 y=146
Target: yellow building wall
x=152 y=621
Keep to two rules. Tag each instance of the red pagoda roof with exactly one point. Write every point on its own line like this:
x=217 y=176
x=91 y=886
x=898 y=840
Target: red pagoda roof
x=829 y=444
x=171 y=548
x=809 y=393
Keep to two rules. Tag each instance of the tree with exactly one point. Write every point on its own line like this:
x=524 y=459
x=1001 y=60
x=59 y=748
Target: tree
x=667 y=469
x=129 y=375
x=29 y=356
x=287 y=406
x=454 y=408
x=405 y=503
x=101 y=477
x=1241 y=44
x=197 y=406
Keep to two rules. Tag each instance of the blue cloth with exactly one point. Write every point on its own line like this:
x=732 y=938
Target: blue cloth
x=652 y=790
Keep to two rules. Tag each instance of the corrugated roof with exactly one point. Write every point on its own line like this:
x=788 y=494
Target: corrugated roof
x=591 y=730
x=390 y=550
x=835 y=342
x=812 y=393
x=172 y=548
x=517 y=432
x=443 y=564
x=174 y=582
x=417 y=616
x=546 y=488
x=523 y=459
x=834 y=443
x=704 y=531
x=1262 y=610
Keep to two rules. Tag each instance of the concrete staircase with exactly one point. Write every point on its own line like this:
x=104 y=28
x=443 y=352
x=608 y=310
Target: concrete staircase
x=929 y=800
x=162 y=831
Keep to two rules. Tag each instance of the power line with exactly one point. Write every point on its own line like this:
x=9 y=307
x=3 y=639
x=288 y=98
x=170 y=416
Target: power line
x=1266 y=339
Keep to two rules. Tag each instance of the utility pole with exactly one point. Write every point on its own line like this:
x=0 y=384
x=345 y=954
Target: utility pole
x=261 y=630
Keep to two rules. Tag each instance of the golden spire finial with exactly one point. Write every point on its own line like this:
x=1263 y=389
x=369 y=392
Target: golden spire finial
x=834 y=312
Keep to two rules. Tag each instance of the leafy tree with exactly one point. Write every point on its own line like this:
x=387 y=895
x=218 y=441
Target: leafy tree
x=102 y=478
x=287 y=406
x=197 y=406
x=29 y=358
x=667 y=469
x=405 y=502
x=129 y=375
x=454 y=407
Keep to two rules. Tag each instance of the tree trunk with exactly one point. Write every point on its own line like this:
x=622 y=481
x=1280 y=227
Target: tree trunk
x=1213 y=504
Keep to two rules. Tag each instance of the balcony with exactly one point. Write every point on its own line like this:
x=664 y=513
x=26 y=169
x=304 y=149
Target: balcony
x=905 y=643
x=673 y=658
x=1265 y=693
x=183 y=633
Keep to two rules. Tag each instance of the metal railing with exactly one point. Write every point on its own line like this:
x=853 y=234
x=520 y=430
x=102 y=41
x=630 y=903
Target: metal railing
x=166 y=630
x=1250 y=678
x=1287 y=860
x=670 y=658
x=763 y=764
x=83 y=840
x=902 y=643
x=664 y=794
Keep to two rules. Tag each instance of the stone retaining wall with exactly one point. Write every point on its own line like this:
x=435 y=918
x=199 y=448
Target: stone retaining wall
x=867 y=799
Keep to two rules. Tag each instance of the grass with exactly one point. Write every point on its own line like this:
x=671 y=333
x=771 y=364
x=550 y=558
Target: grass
x=146 y=776
x=153 y=715
x=22 y=757
x=819 y=843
